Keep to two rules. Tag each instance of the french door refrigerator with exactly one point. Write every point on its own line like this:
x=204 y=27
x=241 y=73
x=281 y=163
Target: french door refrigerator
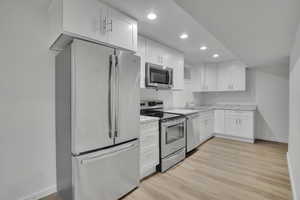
x=97 y=122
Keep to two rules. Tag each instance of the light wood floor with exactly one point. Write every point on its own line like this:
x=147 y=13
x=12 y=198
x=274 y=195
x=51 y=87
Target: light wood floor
x=222 y=170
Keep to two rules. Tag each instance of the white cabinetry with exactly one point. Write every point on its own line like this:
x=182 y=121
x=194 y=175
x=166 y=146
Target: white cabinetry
x=142 y=53
x=224 y=76
x=156 y=53
x=206 y=124
x=219 y=125
x=209 y=78
x=231 y=76
x=176 y=61
x=235 y=124
x=149 y=148
x=90 y=20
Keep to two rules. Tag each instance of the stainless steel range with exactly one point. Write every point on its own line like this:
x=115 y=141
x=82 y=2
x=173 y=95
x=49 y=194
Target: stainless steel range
x=172 y=133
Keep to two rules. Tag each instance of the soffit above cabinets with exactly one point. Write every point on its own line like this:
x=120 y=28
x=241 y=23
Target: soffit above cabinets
x=172 y=21
x=260 y=33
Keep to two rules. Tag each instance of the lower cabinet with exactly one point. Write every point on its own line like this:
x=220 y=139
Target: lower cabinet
x=235 y=124
x=206 y=124
x=149 y=148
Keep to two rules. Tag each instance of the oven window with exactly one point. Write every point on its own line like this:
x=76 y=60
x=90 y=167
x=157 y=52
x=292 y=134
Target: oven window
x=174 y=133
x=159 y=76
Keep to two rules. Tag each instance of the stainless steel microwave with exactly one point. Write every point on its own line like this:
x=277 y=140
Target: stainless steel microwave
x=158 y=76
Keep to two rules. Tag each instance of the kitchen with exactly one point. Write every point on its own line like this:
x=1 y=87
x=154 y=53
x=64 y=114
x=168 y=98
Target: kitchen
x=214 y=124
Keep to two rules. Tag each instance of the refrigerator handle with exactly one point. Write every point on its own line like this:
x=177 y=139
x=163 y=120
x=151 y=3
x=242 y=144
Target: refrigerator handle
x=111 y=109
x=117 y=67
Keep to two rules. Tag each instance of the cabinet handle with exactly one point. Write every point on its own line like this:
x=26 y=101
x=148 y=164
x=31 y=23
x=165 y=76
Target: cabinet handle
x=111 y=25
x=106 y=23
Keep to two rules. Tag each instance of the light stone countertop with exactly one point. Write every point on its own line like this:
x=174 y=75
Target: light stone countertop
x=204 y=108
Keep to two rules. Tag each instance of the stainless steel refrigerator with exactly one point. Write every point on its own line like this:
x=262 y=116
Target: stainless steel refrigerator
x=97 y=122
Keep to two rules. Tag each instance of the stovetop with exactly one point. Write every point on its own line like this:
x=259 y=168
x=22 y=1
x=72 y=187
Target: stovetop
x=160 y=113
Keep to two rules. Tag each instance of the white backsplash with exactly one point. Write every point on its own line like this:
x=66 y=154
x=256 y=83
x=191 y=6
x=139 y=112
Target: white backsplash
x=164 y=95
x=173 y=98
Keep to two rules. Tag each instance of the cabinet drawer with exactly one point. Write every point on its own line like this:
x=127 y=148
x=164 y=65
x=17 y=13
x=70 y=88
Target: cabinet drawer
x=206 y=115
x=145 y=127
x=149 y=155
x=239 y=113
x=149 y=138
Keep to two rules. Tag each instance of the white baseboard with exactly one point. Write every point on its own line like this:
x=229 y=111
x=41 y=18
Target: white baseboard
x=272 y=139
x=40 y=194
x=234 y=138
x=295 y=197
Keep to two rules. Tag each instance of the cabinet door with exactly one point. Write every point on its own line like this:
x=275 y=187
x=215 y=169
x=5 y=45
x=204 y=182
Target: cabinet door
x=178 y=72
x=211 y=77
x=219 y=121
x=231 y=125
x=122 y=30
x=238 y=77
x=141 y=46
x=142 y=53
x=85 y=19
x=223 y=78
x=246 y=127
x=152 y=52
x=196 y=79
x=210 y=128
x=202 y=81
x=203 y=129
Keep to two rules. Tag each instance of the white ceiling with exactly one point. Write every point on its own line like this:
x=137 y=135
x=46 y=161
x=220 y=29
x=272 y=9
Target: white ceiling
x=172 y=20
x=259 y=32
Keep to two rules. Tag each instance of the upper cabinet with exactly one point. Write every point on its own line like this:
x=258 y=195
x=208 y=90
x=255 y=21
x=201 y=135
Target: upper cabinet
x=209 y=78
x=156 y=53
x=90 y=20
x=225 y=76
x=231 y=76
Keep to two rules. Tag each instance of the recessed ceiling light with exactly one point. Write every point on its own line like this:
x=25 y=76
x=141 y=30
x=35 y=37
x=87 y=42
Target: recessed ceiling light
x=216 y=55
x=203 y=48
x=152 y=16
x=184 y=36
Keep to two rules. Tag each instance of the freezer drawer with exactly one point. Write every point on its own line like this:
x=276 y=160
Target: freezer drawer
x=108 y=174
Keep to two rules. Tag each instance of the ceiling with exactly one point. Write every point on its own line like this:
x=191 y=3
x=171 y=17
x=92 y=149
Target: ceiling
x=259 y=32
x=171 y=21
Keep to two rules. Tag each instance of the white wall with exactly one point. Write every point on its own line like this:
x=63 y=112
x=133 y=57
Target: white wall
x=27 y=143
x=294 y=139
x=268 y=89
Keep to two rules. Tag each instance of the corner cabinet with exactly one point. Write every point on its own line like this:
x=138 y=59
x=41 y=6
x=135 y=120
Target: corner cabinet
x=90 y=20
x=235 y=124
x=157 y=53
x=231 y=76
x=219 y=77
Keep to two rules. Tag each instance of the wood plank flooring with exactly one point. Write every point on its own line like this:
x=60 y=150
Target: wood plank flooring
x=222 y=170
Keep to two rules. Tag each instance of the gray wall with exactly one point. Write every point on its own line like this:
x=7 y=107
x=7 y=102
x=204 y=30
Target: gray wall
x=27 y=100
x=294 y=140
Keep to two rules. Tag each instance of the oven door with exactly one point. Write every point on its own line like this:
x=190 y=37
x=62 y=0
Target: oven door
x=158 y=76
x=172 y=136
